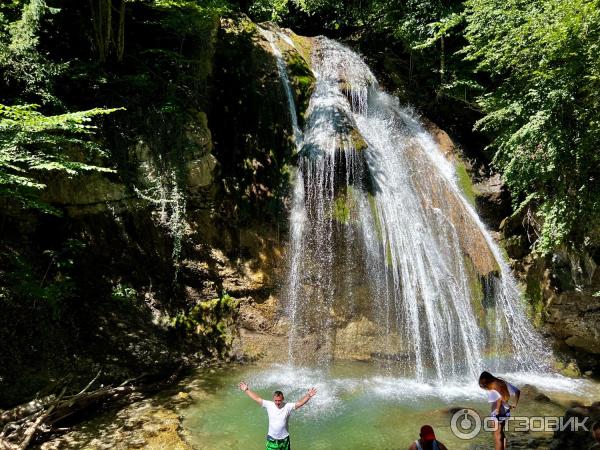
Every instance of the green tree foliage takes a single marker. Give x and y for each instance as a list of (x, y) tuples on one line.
[(323, 14), (32, 144), (432, 33), (23, 66), (544, 108), (184, 60), (536, 63)]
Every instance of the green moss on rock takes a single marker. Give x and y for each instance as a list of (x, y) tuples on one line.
[(358, 142), (464, 181), (344, 206), (535, 300), (210, 321), (239, 25), (304, 45), (568, 369), (477, 294), (302, 80), (375, 214)]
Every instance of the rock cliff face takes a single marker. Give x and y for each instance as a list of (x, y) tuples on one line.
[(562, 289), (146, 269)]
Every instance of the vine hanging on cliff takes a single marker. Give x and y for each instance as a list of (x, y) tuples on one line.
[(165, 191)]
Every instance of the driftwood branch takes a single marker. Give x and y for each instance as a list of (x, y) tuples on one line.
[(90, 383), (26, 410), (29, 432)]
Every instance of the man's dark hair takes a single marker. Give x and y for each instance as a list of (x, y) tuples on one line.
[(595, 429), (277, 394)]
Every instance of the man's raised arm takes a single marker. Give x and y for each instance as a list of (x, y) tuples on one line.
[(253, 395), (310, 394)]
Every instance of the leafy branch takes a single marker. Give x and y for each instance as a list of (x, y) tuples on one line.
[(32, 144)]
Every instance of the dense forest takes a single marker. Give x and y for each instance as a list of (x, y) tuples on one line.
[(126, 95)]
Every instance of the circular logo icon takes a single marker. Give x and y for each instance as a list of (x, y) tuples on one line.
[(465, 424)]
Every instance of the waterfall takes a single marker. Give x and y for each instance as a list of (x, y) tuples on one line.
[(388, 260), (285, 81), (297, 214)]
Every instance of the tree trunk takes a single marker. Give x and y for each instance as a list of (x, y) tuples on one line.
[(109, 42), (121, 32)]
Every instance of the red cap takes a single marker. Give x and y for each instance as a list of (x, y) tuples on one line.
[(427, 433)]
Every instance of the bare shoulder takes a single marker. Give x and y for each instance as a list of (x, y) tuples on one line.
[(413, 446)]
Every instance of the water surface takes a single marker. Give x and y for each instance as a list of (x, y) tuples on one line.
[(356, 407)]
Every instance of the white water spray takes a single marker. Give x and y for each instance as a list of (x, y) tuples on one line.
[(382, 237)]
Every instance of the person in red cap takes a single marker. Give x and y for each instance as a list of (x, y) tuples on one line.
[(427, 440)]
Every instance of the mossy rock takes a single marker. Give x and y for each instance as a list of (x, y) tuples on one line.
[(345, 206), (249, 121), (296, 51), (477, 292), (464, 181), (358, 142), (240, 24), (302, 81), (568, 369), (211, 322), (304, 45), (375, 214), (348, 138), (515, 246)]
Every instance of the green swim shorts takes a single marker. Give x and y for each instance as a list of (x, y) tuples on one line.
[(278, 444)]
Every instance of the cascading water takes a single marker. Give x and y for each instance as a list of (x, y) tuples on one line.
[(298, 215), (387, 263), (383, 241), (285, 81)]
